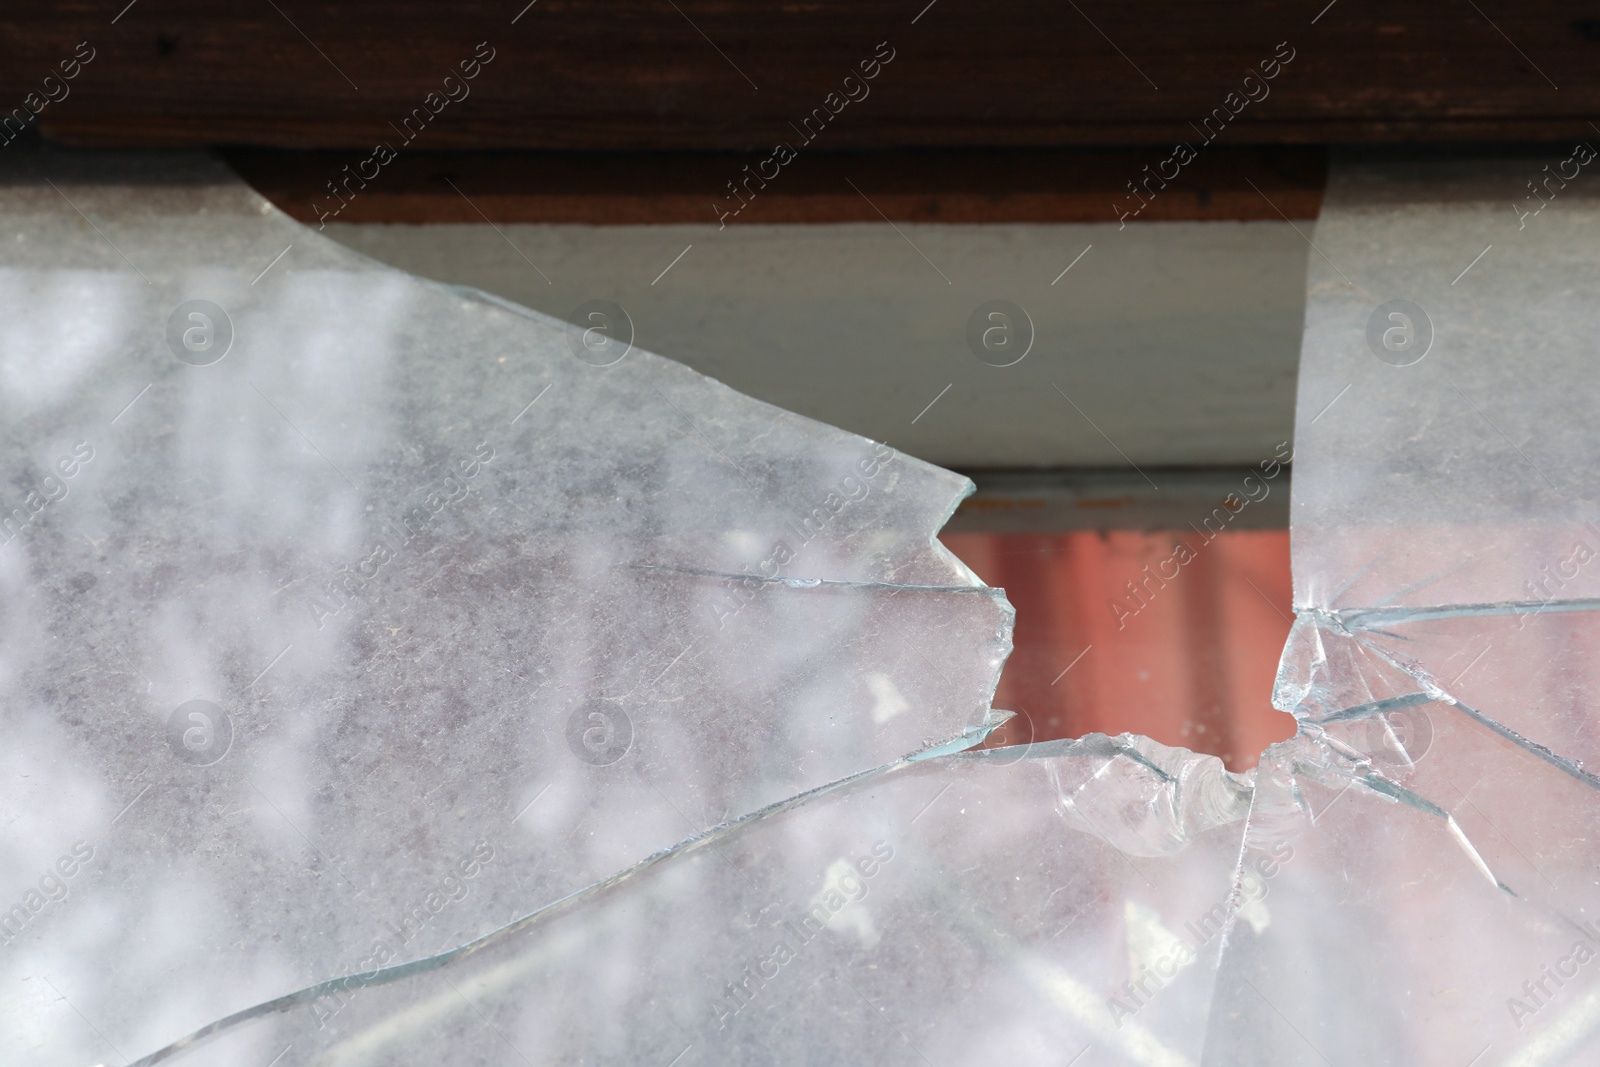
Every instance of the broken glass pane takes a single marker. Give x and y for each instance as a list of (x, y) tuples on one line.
[(1444, 907), (581, 767), (340, 604), (963, 910)]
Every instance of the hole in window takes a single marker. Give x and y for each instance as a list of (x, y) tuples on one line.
[(1160, 633)]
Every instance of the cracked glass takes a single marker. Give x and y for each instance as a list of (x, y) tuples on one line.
[(388, 679)]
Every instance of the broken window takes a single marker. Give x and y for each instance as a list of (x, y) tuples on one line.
[(388, 679)]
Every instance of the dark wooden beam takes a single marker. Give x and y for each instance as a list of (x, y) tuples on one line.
[(710, 75), (610, 189)]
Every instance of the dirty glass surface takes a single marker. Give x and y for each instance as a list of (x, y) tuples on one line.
[(499, 760), (341, 607), (1443, 659)]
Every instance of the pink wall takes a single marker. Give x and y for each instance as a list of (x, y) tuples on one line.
[(1190, 663)]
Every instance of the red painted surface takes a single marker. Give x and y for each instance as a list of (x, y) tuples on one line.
[(1187, 657)]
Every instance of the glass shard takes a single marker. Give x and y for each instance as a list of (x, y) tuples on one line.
[(960, 908), (340, 606), (1441, 531)]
